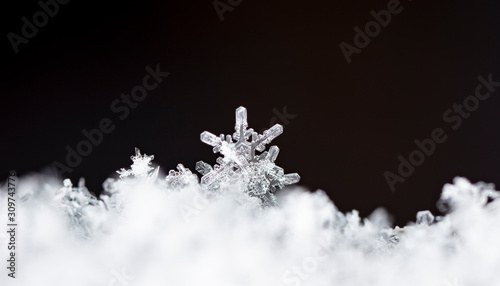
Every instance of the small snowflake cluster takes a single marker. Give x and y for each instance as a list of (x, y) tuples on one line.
[(240, 164), (258, 175)]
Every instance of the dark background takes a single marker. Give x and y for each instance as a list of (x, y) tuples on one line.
[(353, 120)]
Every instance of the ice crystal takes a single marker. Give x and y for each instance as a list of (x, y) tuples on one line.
[(462, 193), (84, 210), (258, 173), (425, 217), (141, 168), (178, 179)]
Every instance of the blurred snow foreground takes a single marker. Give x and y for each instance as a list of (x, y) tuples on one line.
[(228, 229)]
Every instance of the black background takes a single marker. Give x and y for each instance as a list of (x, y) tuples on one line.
[(353, 120)]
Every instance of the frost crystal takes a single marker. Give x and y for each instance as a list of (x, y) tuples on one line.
[(258, 173), (178, 179), (425, 217), (84, 210), (141, 168)]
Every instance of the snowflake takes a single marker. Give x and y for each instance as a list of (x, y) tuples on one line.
[(141, 168), (260, 176), (181, 178)]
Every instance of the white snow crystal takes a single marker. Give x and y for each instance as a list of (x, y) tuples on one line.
[(240, 163)]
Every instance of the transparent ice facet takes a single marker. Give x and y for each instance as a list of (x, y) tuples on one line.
[(241, 123), (425, 217), (273, 153), (292, 178), (203, 168), (212, 140)]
